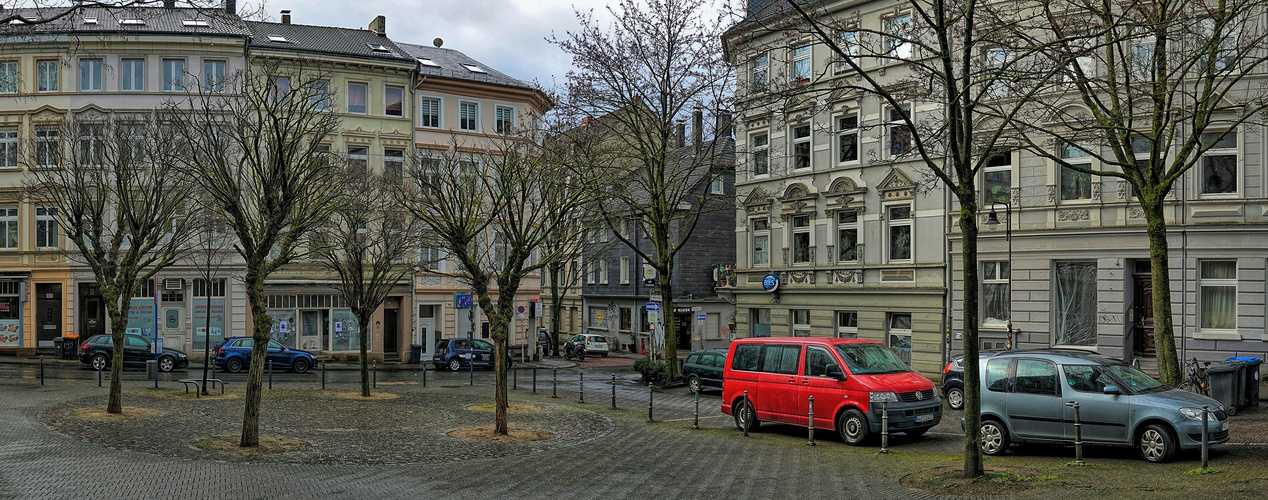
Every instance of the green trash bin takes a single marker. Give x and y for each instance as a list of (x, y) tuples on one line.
[(59, 348), (1250, 382), (415, 354), (1225, 384)]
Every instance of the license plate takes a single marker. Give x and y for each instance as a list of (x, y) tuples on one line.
[(924, 418), (1224, 426)]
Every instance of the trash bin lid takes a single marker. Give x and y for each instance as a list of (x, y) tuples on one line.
[(1246, 359), (1222, 367)]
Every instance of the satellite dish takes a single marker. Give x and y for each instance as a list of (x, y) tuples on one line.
[(438, 42)]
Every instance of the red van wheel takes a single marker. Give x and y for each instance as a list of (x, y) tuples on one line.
[(853, 427), (744, 412)]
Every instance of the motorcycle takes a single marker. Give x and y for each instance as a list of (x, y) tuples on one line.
[(574, 350)]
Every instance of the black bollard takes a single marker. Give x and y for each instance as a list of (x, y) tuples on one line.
[(515, 378), (554, 380), (323, 375), (613, 391), (374, 375), (884, 426), (424, 376), (750, 417), (1078, 433), (1205, 448), (270, 365), (99, 377), (650, 397), (42, 371), (695, 422), (534, 380), (581, 384)]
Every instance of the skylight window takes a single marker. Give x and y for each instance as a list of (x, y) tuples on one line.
[(474, 69), (427, 62), (200, 23), (379, 48), (90, 20), (278, 39), (132, 22)]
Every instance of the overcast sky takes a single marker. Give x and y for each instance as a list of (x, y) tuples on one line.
[(508, 35)]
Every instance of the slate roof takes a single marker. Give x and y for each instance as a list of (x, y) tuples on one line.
[(326, 40), (451, 61), (156, 20)]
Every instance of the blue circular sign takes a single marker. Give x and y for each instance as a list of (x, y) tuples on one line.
[(771, 282)]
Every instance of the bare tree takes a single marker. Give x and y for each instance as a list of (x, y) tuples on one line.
[(365, 244), (493, 212), (1147, 88), (635, 78), (257, 149), (211, 247), (120, 200)]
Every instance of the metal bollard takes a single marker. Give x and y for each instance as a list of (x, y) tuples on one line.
[(515, 378), (1205, 448), (424, 376), (812, 422), (581, 384), (270, 365), (746, 421), (695, 421), (42, 372), (885, 427), (554, 380), (613, 391), (534, 380), (651, 396), (99, 377), (323, 375), (374, 375), (1078, 433)]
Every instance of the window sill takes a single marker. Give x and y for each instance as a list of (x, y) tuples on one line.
[(1217, 335)]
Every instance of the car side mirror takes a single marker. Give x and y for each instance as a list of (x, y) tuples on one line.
[(1112, 389), (835, 372)]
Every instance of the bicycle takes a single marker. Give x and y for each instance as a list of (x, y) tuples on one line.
[(1196, 378)]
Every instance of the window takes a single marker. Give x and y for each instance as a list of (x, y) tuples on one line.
[(899, 232), (429, 112), (195, 23), (997, 375), (46, 227), (214, 76), (761, 242), (848, 139), (817, 361), (603, 271), (394, 162), (173, 75), (1218, 290), (430, 257), (1075, 303), (48, 76), (428, 62), (997, 178), (898, 29), (801, 239), (1219, 163), (473, 68), (1085, 378), (717, 186), (278, 39), (48, 146), (393, 101), (747, 357), (132, 73), (800, 147), (761, 155), (781, 359), (761, 73), (1083, 68), (8, 227), (359, 157), (468, 116), (202, 288), (91, 148), (8, 77), (1075, 185), (320, 97), (848, 42), (900, 136), (759, 322), (627, 319), (1141, 62), (996, 304), (1225, 49), (90, 75), (596, 317), (800, 322), (8, 148), (625, 270), (1036, 377), (847, 324), (801, 64), (504, 119), (900, 335), (358, 97), (996, 59), (847, 236), (281, 87)]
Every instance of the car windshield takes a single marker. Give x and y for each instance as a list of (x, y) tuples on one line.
[(871, 359), (1135, 379)]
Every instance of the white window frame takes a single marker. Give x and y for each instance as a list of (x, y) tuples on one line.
[(48, 146), (320, 96), (1226, 51), (394, 162), (794, 231), (848, 41), (891, 223), (801, 68), (9, 233), (173, 75), (845, 225), (1206, 286), (625, 270), (603, 271), (1227, 147), (387, 90), (474, 126), (214, 73), (847, 130), (761, 73), (9, 78), (796, 143), (46, 229), (1074, 154), (996, 273), (894, 329), (501, 125), (898, 31), (90, 78), (1140, 61), (847, 323), (130, 79), (10, 156), (799, 322), (717, 185), (995, 58), (359, 155), (761, 153), (48, 76), (894, 124), (1001, 162), (761, 229), (364, 107), (439, 111)]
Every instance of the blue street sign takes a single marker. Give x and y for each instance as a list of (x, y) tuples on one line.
[(700, 317), (462, 300), (652, 306)]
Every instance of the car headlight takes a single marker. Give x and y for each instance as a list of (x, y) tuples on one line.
[(1196, 414), (882, 397)]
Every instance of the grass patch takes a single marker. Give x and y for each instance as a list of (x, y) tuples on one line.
[(1203, 470), (129, 413), (1000, 481), (514, 435), (269, 445), (373, 395), (510, 408)]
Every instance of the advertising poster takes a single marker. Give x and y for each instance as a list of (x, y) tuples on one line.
[(141, 317), (10, 324), (217, 325)]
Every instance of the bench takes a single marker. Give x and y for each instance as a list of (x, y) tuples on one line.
[(197, 383)]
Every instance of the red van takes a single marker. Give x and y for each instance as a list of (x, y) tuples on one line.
[(847, 377)]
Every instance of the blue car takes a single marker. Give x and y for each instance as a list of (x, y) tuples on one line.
[(235, 354), (455, 354)]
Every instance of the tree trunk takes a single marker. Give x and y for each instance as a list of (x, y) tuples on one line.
[(671, 332), (118, 325), (366, 331), (556, 306), (255, 374), (498, 330), (972, 394), (207, 338), (1164, 335)]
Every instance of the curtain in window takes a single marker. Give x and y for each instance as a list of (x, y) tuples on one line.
[(1076, 303)]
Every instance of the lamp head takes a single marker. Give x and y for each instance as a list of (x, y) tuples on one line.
[(992, 218)]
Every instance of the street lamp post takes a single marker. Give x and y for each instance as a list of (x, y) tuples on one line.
[(992, 219)]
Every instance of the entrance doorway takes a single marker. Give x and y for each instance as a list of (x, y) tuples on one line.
[(1143, 311), (314, 330), (390, 333), (427, 334), (48, 312), (92, 311)]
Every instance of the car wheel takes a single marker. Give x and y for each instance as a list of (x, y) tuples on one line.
[(100, 362), (166, 364), (745, 412), (693, 383), (233, 365), (917, 432), (1156, 444), (955, 398), (853, 427), (455, 364), (300, 365), (994, 438)]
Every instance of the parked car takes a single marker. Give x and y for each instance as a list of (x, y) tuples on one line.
[(544, 342), (455, 354), (1025, 396), (99, 350), (595, 344), (847, 377), (953, 379), (234, 354), (703, 369)]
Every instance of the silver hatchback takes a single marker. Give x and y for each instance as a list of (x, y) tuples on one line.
[(1026, 397)]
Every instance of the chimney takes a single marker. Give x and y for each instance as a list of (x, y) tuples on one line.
[(170, 4), (697, 127), (231, 6), (680, 132), (286, 16), (379, 25), (723, 128)]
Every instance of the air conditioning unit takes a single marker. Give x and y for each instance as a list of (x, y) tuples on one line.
[(174, 283)]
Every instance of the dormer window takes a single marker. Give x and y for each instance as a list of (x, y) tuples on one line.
[(379, 48), (278, 39), (428, 62), (195, 23), (474, 69)]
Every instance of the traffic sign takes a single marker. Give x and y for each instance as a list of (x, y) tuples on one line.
[(652, 306), (462, 300), (700, 317), (520, 309)]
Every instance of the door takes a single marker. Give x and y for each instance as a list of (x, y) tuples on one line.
[(274, 355), (310, 330), (1104, 416), (1035, 406), (48, 313), (827, 391), (390, 333), (780, 383), (1143, 312), (136, 350), (427, 335), (482, 352)]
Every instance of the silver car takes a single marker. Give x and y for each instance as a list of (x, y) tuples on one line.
[(1026, 396)]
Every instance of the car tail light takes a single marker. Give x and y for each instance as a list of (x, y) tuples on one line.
[(220, 352), (84, 347), (948, 367)]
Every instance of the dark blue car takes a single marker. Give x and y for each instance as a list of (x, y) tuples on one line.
[(455, 354), (235, 354)]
